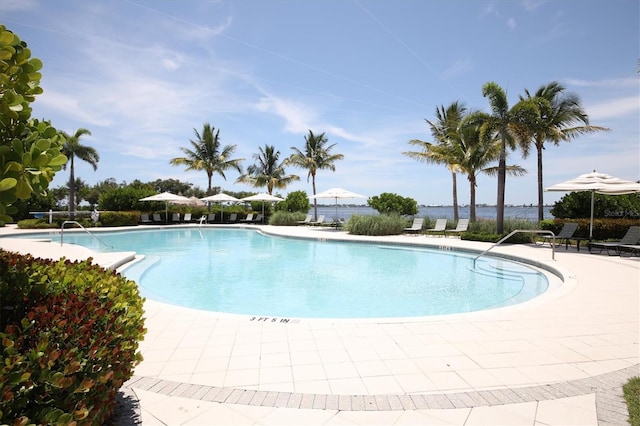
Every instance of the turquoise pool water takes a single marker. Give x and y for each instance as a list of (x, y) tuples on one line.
[(245, 272)]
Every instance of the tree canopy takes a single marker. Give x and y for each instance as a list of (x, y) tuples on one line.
[(30, 150)]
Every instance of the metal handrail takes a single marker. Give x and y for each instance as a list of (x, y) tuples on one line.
[(85, 230), (527, 231)]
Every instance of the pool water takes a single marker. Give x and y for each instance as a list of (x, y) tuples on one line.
[(245, 272)]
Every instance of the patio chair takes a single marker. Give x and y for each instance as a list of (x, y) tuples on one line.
[(306, 220), (144, 219), (211, 217), (565, 234), (258, 218), (463, 225), (157, 218), (632, 237), (632, 249), (440, 226), (187, 218), (175, 218), (320, 220), (233, 218), (416, 226), (247, 219)]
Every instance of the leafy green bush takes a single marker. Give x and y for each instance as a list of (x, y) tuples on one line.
[(632, 396), (384, 224), (69, 341), (296, 201), (387, 203), (127, 199), (578, 205), (603, 229), (119, 218), (36, 224), (286, 218)]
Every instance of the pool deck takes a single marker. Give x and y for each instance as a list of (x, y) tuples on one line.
[(558, 359)]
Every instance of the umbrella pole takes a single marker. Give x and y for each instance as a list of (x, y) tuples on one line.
[(591, 223), (166, 212)]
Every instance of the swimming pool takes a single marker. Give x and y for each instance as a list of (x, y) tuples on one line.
[(245, 272)]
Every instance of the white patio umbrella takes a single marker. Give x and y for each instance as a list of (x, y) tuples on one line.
[(220, 198), (167, 197), (336, 193), (264, 197), (596, 182)]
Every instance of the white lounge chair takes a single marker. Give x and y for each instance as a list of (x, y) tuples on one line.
[(463, 225), (416, 226), (320, 220), (440, 226)]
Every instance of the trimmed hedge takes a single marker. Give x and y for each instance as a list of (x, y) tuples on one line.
[(603, 229), (70, 333)]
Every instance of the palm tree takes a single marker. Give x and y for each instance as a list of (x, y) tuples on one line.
[(474, 151), (504, 123), (73, 148), (315, 156), (267, 171), (206, 154), (560, 118), (445, 132)]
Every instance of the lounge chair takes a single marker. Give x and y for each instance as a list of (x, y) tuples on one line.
[(175, 218), (144, 219), (631, 238), (632, 249), (258, 218), (187, 218), (440, 226), (415, 227), (157, 218), (463, 225), (306, 220), (211, 217), (320, 220), (565, 234), (247, 219), (233, 218)]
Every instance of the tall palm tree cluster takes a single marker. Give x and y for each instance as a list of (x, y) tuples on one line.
[(207, 153), (470, 142)]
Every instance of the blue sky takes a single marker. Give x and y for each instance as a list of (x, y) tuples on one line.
[(141, 75)]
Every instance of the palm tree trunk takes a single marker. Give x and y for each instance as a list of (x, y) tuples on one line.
[(472, 200), (315, 200), (455, 196), (210, 177), (72, 190), (502, 174), (540, 193)]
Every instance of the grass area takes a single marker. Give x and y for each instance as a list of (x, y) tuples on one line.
[(632, 396)]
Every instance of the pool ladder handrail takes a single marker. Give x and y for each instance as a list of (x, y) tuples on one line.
[(529, 231), (85, 230)]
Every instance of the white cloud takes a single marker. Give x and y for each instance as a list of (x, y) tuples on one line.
[(511, 23), (614, 108), (612, 82)]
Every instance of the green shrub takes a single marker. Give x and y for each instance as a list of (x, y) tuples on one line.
[(286, 218), (632, 396), (119, 218), (36, 224), (69, 341), (388, 203), (384, 224), (603, 229), (296, 201)]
